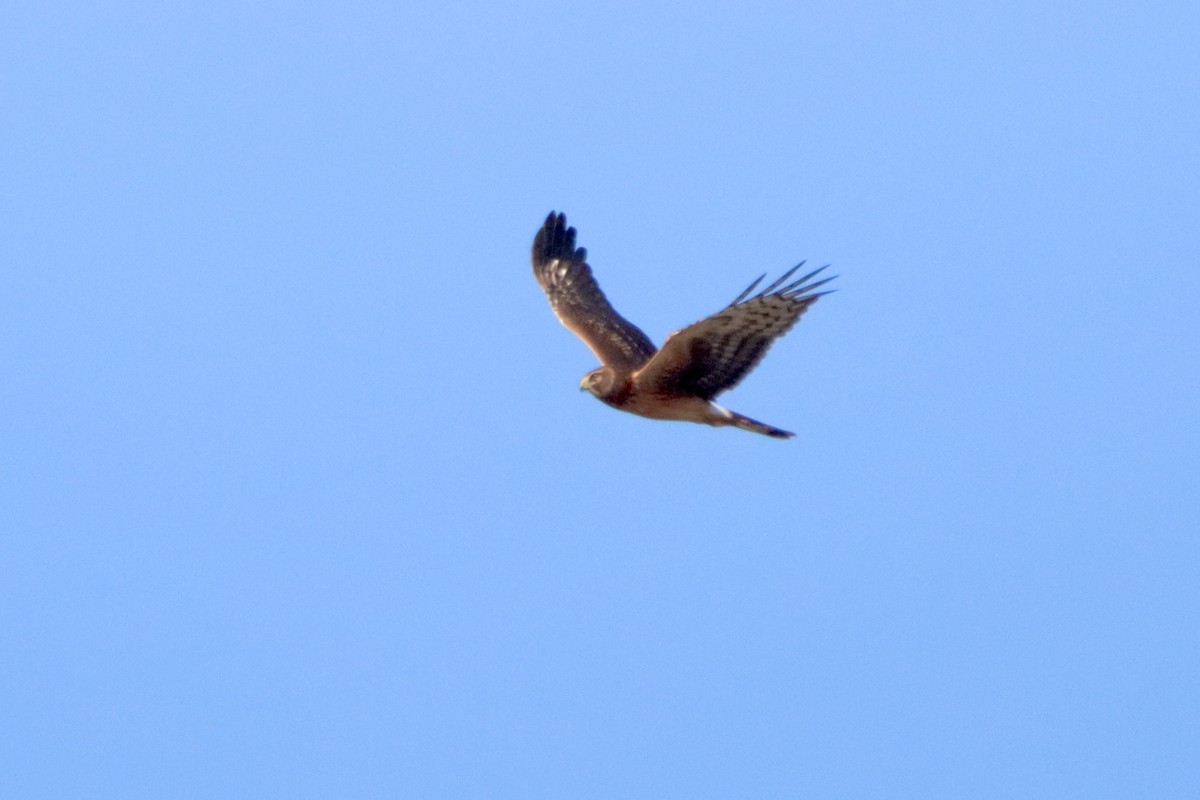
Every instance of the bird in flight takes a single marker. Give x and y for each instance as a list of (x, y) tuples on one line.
[(694, 365)]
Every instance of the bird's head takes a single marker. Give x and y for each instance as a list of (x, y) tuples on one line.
[(599, 382)]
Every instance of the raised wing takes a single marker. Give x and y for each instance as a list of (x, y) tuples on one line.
[(713, 355), (564, 274)]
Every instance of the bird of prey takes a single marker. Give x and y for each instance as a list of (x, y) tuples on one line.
[(694, 365)]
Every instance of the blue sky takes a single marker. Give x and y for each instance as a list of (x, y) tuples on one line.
[(299, 497)]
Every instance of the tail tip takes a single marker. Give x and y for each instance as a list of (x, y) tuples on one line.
[(754, 426)]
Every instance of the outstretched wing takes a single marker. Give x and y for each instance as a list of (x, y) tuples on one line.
[(713, 355), (564, 274)]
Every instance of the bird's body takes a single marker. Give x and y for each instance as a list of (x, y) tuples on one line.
[(694, 365), (628, 394)]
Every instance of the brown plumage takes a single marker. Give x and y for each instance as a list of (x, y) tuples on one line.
[(694, 365)]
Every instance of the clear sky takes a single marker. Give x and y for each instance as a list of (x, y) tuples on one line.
[(299, 497)]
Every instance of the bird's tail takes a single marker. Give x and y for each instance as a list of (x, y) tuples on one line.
[(745, 423)]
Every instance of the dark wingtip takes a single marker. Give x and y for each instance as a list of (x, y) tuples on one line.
[(746, 292), (791, 290), (804, 290), (781, 280), (555, 240)]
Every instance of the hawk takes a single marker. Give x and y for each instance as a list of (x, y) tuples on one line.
[(694, 365)]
